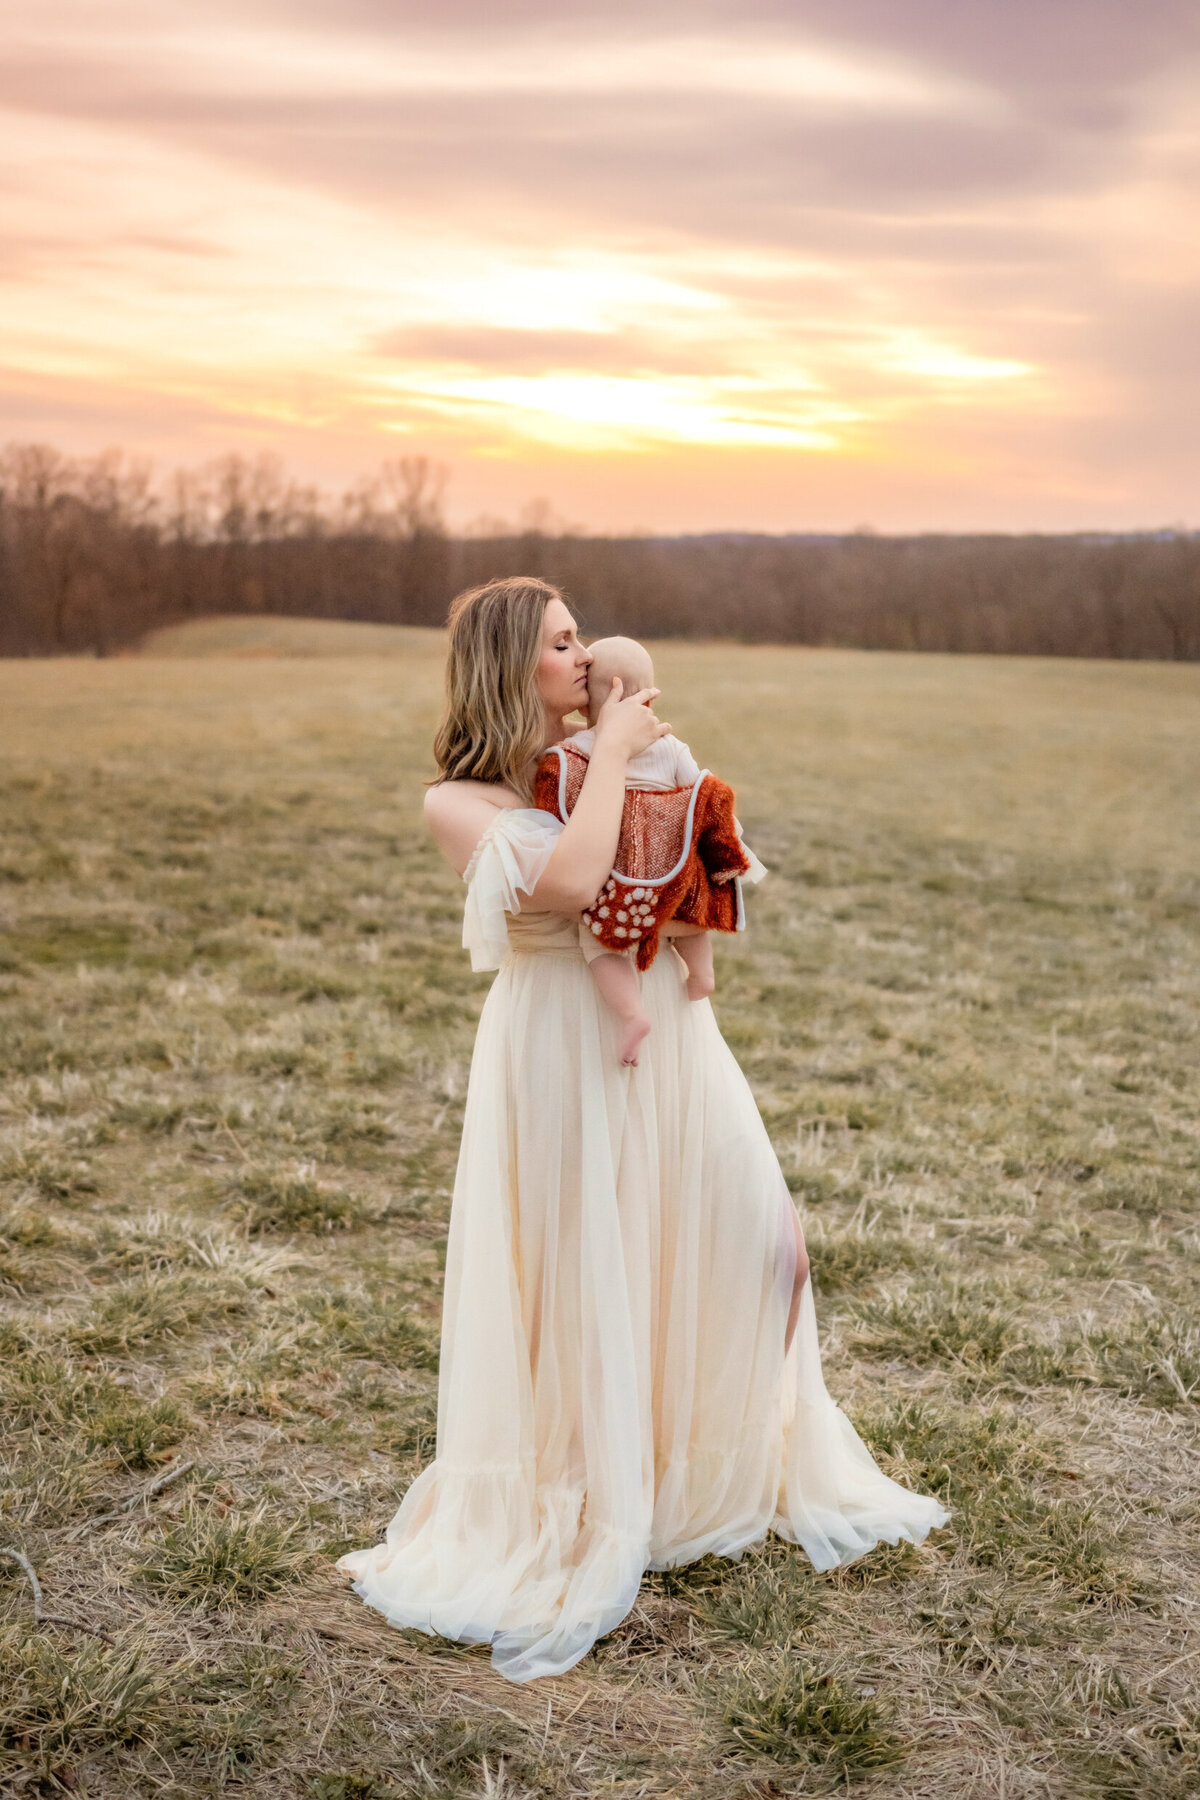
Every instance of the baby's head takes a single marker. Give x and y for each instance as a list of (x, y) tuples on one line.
[(616, 656)]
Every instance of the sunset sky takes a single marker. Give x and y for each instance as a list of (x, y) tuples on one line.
[(923, 264)]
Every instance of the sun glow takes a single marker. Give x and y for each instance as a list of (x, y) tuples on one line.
[(608, 412), (918, 355)]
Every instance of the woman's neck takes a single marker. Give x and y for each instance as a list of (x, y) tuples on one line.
[(556, 729)]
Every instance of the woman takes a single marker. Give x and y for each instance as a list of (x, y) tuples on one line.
[(630, 1373)]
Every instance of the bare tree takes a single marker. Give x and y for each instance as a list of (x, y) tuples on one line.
[(93, 552)]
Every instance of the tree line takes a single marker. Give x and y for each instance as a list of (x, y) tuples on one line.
[(93, 554)]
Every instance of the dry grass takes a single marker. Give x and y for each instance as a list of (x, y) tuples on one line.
[(237, 1022), (263, 636)]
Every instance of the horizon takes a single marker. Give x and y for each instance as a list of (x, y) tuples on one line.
[(789, 270)]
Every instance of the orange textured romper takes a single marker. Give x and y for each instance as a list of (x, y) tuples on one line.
[(678, 856)]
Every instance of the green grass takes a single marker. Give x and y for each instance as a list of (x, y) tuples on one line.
[(134, 1313), (237, 1022), (56, 1397), (773, 1603), (212, 1558), (271, 1201), (60, 1705), (791, 1713), (967, 1323)]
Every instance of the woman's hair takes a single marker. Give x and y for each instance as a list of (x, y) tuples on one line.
[(494, 725)]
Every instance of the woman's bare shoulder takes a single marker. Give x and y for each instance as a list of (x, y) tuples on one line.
[(454, 796), (459, 812)]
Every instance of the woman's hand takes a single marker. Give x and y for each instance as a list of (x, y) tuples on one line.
[(625, 723)]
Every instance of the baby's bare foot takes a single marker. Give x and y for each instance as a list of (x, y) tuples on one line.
[(701, 984), (632, 1033)]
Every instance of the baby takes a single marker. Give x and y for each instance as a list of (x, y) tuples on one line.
[(700, 890)]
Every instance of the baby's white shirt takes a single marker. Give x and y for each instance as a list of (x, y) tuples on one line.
[(668, 763)]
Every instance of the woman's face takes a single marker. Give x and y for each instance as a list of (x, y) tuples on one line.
[(563, 665)]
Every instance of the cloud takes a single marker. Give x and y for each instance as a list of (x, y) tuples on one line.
[(519, 352)]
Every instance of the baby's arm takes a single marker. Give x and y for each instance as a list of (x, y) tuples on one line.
[(687, 769), (696, 951)]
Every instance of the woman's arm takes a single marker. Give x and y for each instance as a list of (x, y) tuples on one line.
[(582, 859), (459, 812)]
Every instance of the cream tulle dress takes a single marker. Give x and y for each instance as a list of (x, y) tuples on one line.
[(614, 1394)]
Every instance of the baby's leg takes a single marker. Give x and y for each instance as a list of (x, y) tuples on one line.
[(696, 951), (616, 978)]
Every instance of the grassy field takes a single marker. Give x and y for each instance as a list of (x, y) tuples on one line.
[(237, 1023)]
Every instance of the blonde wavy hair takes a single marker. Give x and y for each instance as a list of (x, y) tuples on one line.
[(494, 724)]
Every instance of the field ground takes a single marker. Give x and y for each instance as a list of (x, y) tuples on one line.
[(237, 1027), (257, 635)]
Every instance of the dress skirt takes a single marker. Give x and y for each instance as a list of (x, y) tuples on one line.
[(614, 1395)]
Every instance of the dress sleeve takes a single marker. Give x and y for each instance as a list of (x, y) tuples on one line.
[(506, 863)]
